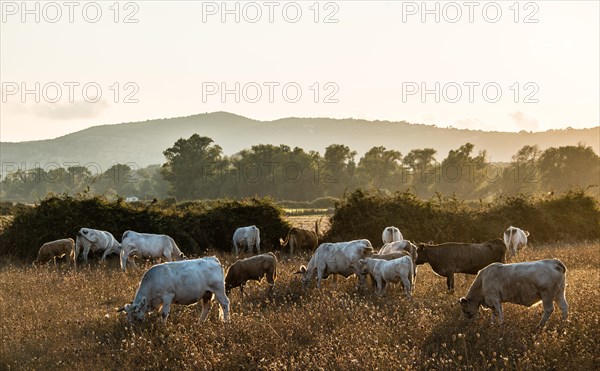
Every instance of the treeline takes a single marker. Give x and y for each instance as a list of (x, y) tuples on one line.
[(571, 216), (196, 227), (196, 168)]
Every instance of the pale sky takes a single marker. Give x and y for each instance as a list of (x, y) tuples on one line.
[(365, 59)]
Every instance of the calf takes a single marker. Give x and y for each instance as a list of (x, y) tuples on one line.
[(253, 268), (182, 282), (56, 250), (524, 283), (515, 239), (384, 271)]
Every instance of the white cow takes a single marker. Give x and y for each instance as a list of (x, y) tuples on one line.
[(515, 239), (183, 282), (95, 240), (519, 283), (395, 270), (336, 258), (148, 246), (249, 236), (391, 234)]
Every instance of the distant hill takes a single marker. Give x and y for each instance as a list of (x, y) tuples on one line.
[(142, 143)]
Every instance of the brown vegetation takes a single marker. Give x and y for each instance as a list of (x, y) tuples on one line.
[(67, 319)]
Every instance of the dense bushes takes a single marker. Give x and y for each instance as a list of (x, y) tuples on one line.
[(194, 228), (572, 216)]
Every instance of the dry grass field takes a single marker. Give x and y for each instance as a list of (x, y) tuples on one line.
[(67, 319)]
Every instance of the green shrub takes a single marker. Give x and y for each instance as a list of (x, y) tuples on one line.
[(573, 216), (195, 229)]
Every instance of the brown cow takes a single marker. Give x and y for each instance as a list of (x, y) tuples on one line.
[(56, 250), (454, 257), (300, 239), (253, 268)]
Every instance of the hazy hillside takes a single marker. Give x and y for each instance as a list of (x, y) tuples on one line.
[(142, 143)]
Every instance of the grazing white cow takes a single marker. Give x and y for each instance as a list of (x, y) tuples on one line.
[(183, 282), (391, 234), (515, 239), (95, 240), (520, 283), (384, 271), (148, 246), (248, 236), (336, 258)]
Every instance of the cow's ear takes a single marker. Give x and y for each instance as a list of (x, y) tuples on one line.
[(281, 241), (361, 261), (463, 301)]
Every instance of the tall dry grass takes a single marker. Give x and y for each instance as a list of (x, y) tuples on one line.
[(67, 319)]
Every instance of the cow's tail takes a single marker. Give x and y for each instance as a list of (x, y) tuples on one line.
[(560, 266), (77, 248), (510, 241), (317, 227)]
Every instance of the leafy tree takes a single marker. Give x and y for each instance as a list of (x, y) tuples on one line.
[(521, 176), (564, 167), (462, 173), (337, 170), (380, 168), (421, 165), (193, 168)]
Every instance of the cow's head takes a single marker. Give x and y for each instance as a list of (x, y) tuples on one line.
[(135, 312), (363, 266), (305, 276), (469, 307)]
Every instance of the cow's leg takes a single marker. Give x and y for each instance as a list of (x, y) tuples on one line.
[(271, 282), (320, 271), (373, 281), (124, 258), (206, 305), (380, 286), (224, 302), (166, 307), (548, 304), (450, 282), (242, 291), (497, 308), (106, 252), (86, 251), (562, 303), (257, 247), (407, 286)]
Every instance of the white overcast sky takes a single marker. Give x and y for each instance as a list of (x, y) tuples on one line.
[(363, 63)]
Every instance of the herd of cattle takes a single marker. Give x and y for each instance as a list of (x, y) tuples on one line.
[(183, 281)]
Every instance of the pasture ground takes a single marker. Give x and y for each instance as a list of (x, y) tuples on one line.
[(67, 319)]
